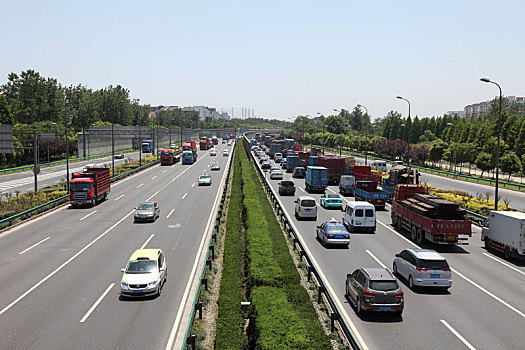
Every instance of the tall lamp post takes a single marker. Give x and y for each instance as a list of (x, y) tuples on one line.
[(486, 80), (456, 147), (408, 137), (340, 137), (67, 143), (366, 136), (140, 147)]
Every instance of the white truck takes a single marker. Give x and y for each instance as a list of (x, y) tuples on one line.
[(505, 232)]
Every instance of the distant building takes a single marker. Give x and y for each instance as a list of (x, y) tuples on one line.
[(461, 114), (207, 112), (477, 110)]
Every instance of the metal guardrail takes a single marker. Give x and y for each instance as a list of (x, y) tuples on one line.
[(335, 314), (190, 339)]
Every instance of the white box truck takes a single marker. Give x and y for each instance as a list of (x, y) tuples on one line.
[(504, 231)]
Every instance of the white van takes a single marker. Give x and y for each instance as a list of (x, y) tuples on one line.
[(398, 162), (379, 165), (360, 216), (305, 207)]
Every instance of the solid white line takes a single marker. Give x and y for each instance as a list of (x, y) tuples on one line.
[(122, 195), (185, 194), (193, 184), (164, 171), (504, 263), (64, 264), (301, 189), (461, 275), (154, 177), (171, 212), (376, 259), (147, 241), (93, 212), (140, 185), (178, 318), (460, 337), (34, 245), (96, 303)]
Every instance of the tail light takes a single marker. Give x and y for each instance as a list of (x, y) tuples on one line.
[(330, 236), (369, 294), (400, 294), (347, 236)]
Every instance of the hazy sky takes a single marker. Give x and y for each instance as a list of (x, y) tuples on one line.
[(281, 58)]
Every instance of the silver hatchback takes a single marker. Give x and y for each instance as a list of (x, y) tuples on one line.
[(423, 267)]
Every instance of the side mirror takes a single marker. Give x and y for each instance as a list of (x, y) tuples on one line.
[(295, 201), (397, 255), (348, 275), (123, 270), (162, 269)]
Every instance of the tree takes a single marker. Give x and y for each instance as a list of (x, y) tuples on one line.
[(484, 162), (335, 124), (428, 136), (437, 149), (510, 163), (6, 117)]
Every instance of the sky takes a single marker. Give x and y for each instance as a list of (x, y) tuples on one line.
[(280, 58)]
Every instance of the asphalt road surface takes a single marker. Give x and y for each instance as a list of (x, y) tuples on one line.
[(60, 274), (484, 308)]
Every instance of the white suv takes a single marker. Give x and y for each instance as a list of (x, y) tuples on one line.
[(305, 207), (423, 267)]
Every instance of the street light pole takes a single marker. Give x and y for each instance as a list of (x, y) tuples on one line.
[(140, 147), (366, 136), (496, 199), (456, 146), (340, 137), (67, 144), (408, 137)]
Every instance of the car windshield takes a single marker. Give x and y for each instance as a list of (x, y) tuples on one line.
[(145, 206), (433, 264), (308, 203), (332, 195), (336, 229), (142, 266), (166, 154), (287, 183), (369, 213), (205, 177), (80, 186), (383, 286)]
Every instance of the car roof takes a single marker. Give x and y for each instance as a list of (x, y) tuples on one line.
[(147, 202), (427, 254), (302, 198), (378, 273), (333, 223), (146, 254), (354, 204)]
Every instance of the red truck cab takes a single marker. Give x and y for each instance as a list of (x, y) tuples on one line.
[(89, 187), (167, 157)]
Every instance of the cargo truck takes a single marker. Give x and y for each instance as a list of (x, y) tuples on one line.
[(367, 191), (336, 167), (316, 179), (428, 217), (215, 140), (204, 143), (167, 157), (89, 187), (276, 147), (147, 146), (504, 231), (188, 157), (400, 174), (190, 146), (292, 161), (347, 185)]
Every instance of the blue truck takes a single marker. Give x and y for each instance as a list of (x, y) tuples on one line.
[(188, 157), (367, 191), (387, 188), (312, 160), (147, 146), (316, 179), (292, 161), (347, 185)]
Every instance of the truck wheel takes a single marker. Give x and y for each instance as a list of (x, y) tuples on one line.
[(487, 244), (420, 236), (508, 253), (394, 220), (414, 233)]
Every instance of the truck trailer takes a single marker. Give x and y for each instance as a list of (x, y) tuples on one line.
[(367, 191), (89, 187), (316, 179)]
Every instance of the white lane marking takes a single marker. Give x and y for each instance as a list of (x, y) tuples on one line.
[(140, 185), (164, 171), (88, 215), (96, 303), (333, 219), (462, 276), (193, 184), (301, 189), (171, 212), (504, 263), (178, 318), (34, 245), (44, 185), (147, 241), (376, 259), (185, 194), (460, 337), (154, 177), (64, 264), (122, 195)]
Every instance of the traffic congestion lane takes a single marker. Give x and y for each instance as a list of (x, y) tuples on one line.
[(454, 303), (89, 260)]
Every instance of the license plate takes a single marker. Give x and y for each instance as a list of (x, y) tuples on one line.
[(385, 308), (138, 291), (435, 276), (308, 210), (379, 200)]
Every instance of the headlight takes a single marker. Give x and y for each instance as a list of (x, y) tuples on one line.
[(153, 284), (124, 285), (150, 214)]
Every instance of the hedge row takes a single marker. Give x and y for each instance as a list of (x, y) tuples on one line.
[(284, 317), (229, 320)]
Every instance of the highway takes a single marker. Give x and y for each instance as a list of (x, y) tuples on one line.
[(60, 274), (23, 181), (484, 308)]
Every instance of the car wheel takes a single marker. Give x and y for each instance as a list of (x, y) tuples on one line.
[(324, 242), (358, 306), (411, 282), (159, 290), (394, 269), (346, 290)]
